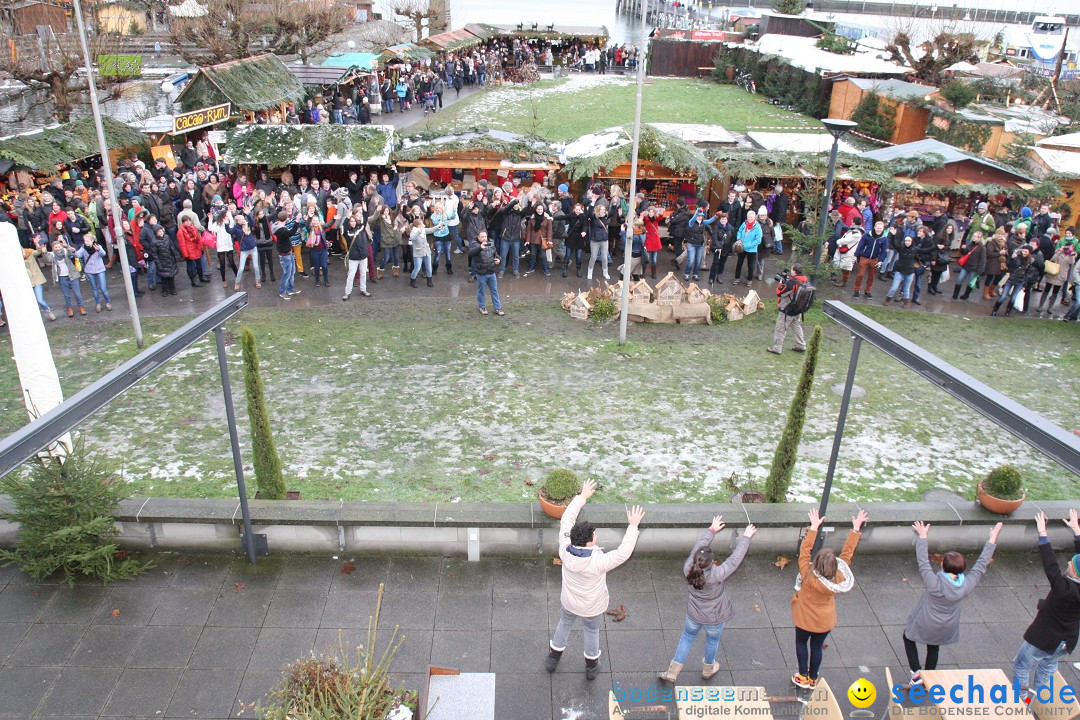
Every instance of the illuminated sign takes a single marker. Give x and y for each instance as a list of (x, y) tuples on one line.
[(201, 118)]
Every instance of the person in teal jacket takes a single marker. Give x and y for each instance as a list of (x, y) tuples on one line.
[(750, 236)]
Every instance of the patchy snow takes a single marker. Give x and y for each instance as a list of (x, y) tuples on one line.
[(492, 103)]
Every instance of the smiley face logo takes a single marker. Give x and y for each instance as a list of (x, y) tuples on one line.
[(862, 693)]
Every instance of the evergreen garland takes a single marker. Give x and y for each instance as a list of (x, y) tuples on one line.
[(68, 142), (65, 516), (251, 84), (267, 462), (522, 148), (656, 146), (776, 485), (279, 145)]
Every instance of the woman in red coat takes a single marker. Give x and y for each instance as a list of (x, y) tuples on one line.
[(651, 219), (189, 240)]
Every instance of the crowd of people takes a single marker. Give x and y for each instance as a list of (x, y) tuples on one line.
[(176, 220), (823, 575)]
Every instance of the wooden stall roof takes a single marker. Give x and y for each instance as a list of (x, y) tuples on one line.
[(42, 149), (479, 148), (451, 40), (252, 84), (325, 74)]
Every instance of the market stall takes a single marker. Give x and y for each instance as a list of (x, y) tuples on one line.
[(452, 41), (465, 158), (35, 158), (255, 86), (669, 168), (333, 149)]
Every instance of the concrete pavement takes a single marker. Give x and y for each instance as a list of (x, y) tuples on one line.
[(205, 636)]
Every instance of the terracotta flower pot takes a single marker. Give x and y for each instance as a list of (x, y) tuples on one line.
[(550, 509), (997, 505)]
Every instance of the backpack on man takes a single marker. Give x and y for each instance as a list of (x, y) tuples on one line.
[(802, 298)]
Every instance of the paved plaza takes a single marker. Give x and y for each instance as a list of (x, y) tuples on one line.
[(205, 635)]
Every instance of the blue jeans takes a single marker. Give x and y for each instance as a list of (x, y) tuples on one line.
[(421, 262), (288, 273), (319, 262), (152, 277), (690, 633), (442, 247), (890, 261), (335, 117), (693, 259), (905, 294), (964, 278), (70, 288), (918, 281), (1045, 664), (97, 285), (1009, 293), (513, 250), (534, 252), (455, 236), (1074, 309), (391, 255), (652, 257), (38, 293), (574, 255), (488, 281), (388, 106)]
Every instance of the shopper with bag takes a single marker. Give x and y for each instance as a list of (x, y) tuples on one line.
[(1055, 274), (972, 265), (1012, 294)]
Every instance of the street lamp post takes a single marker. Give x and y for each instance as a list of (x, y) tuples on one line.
[(106, 170), (838, 129)]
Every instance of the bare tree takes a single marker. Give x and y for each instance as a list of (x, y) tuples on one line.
[(305, 28), (432, 15), (938, 54), (52, 71), (226, 32)]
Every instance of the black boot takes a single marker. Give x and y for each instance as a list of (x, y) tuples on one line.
[(194, 282), (993, 313), (564, 269), (552, 660), (579, 271), (412, 282), (592, 668), (956, 292), (429, 283), (967, 293)]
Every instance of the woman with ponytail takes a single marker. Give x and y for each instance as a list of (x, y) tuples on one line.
[(708, 606)]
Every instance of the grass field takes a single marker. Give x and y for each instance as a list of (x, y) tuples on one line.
[(567, 108), (428, 401)]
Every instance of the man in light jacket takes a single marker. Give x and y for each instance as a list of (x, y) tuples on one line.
[(584, 579)]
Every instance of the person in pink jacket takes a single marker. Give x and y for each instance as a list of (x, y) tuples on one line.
[(584, 579), (242, 189)]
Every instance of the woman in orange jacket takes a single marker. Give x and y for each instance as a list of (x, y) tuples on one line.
[(813, 606)]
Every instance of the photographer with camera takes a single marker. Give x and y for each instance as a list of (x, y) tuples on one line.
[(794, 294)]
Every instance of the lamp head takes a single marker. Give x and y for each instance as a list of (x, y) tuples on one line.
[(837, 127)]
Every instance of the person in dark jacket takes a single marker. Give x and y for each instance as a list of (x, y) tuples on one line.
[(925, 250), (577, 237), (356, 236), (511, 215), (904, 269), (939, 263), (484, 262), (1052, 634), (723, 239), (164, 253), (708, 606), (869, 255), (974, 266), (355, 187), (677, 226), (696, 232), (1019, 267), (473, 223)]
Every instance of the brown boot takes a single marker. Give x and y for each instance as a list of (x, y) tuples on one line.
[(986, 292), (395, 271), (82, 310), (378, 274), (995, 291), (70, 312)]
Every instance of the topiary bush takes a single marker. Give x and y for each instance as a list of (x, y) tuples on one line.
[(776, 485), (1003, 482), (561, 485), (268, 474)]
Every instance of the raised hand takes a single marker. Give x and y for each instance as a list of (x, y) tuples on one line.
[(921, 528), (634, 515), (858, 521), (750, 531), (588, 488), (996, 530), (717, 524), (1073, 522), (1040, 523), (815, 519)]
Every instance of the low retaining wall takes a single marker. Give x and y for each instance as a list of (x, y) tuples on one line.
[(523, 529)]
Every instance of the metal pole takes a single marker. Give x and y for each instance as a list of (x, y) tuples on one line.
[(106, 168), (839, 435), (624, 300), (238, 462), (823, 214)]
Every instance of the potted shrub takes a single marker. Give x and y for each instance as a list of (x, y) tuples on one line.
[(1000, 491), (557, 491)]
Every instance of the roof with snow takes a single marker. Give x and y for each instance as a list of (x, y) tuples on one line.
[(893, 88), (698, 134), (1070, 141), (802, 52), (1061, 162), (798, 142), (930, 146), (188, 9)]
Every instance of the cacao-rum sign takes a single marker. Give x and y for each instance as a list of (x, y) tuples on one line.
[(201, 118)]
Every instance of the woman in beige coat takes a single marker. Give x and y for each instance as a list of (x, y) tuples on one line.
[(37, 278)]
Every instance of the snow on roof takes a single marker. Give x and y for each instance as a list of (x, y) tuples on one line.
[(706, 134), (1072, 140), (893, 88), (596, 143), (802, 52), (1017, 118), (930, 146), (1064, 162), (155, 124), (798, 142), (188, 9)]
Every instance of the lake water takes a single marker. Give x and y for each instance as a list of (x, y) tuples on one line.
[(140, 100)]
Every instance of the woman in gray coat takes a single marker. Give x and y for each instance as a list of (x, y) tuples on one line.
[(935, 621), (708, 606)]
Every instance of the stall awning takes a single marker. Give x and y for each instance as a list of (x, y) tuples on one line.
[(59, 144), (597, 153), (282, 145), (252, 84), (406, 51), (364, 61), (485, 150), (451, 40), (324, 74)]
